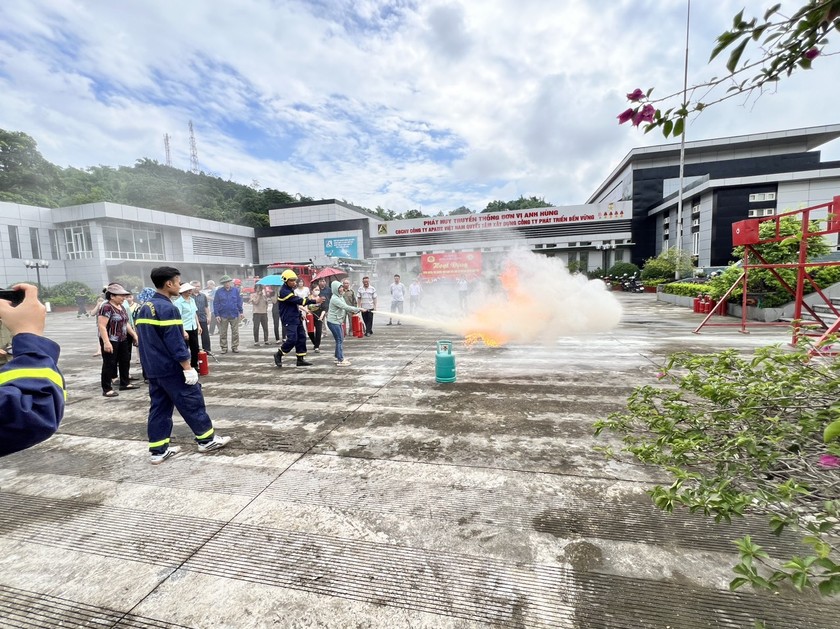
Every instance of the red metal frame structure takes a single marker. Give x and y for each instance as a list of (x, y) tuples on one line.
[(746, 234)]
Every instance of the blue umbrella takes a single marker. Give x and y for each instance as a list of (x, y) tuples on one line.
[(271, 280)]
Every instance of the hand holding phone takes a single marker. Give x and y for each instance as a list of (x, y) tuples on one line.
[(14, 296)]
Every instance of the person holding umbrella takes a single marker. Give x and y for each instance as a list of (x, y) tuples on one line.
[(289, 303)]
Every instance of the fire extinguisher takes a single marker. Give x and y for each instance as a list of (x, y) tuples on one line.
[(358, 332), (203, 364), (310, 322), (697, 304)]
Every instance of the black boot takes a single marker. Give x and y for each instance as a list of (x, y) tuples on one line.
[(301, 362), (278, 358)]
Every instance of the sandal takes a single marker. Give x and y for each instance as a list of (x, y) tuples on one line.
[(129, 386), (110, 393)]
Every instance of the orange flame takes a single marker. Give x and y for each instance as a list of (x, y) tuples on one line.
[(484, 323)]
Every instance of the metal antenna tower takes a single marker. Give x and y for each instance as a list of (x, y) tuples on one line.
[(193, 151), (166, 148)]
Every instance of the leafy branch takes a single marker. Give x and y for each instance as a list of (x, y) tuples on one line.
[(786, 45)]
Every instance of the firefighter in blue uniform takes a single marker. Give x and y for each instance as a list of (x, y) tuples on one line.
[(32, 389), (173, 383), (288, 304)]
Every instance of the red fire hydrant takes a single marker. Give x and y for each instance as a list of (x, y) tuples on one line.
[(203, 363)]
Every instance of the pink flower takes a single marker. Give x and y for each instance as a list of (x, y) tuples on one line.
[(624, 116), (812, 54), (644, 115), (636, 95), (661, 375), (829, 460)]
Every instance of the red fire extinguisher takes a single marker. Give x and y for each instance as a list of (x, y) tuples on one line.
[(310, 322), (358, 331), (697, 304), (203, 364)]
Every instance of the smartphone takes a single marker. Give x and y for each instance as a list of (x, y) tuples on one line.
[(14, 296)]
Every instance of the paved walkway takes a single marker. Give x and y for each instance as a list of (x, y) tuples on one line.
[(373, 497)]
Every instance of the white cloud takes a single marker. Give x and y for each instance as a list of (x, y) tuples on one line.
[(400, 104)]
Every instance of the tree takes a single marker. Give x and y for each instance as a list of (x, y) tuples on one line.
[(785, 45), (518, 204), (460, 210), (747, 434), (785, 251), (664, 266)]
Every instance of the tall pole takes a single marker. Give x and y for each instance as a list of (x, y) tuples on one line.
[(682, 146)]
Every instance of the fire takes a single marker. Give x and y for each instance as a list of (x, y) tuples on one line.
[(485, 323), (489, 340)]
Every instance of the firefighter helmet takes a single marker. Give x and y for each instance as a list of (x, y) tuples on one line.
[(288, 274)]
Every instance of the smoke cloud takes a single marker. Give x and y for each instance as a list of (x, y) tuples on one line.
[(530, 297)]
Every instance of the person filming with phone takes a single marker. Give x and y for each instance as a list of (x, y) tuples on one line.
[(32, 389)]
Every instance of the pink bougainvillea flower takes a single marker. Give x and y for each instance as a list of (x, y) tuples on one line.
[(636, 95), (624, 116), (829, 460), (812, 53), (645, 114)]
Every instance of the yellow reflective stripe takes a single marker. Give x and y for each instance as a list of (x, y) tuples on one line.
[(205, 435), (158, 444), (286, 297), (39, 373), (163, 322)]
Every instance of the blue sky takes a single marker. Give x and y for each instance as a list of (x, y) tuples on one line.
[(403, 104)]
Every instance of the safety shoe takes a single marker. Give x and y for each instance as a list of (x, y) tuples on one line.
[(301, 362), (157, 459), (215, 444), (278, 358)]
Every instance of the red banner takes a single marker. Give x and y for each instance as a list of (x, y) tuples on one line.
[(465, 264)]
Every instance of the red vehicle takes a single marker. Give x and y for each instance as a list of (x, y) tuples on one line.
[(304, 271)]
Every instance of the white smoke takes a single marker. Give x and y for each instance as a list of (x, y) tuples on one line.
[(546, 301)]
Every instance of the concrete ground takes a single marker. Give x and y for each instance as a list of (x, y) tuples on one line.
[(373, 497)]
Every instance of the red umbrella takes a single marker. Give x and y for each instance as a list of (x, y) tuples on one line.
[(328, 272)]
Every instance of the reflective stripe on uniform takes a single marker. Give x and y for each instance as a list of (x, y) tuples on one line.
[(158, 444), (40, 373), (286, 297), (205, 435), (156, 322)]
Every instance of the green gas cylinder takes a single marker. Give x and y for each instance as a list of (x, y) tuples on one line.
[(444, 362)]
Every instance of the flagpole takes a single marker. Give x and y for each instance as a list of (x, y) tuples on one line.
[(682, 147)]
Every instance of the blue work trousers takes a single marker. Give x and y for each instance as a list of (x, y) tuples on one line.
[(173, 392), (295, 337)]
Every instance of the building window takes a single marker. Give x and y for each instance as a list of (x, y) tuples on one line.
[(204, 246), (34, 242), (130, 243), (695, 244), (619, 255), (584, 261), (55, 247), (78, 242), (14, 243)]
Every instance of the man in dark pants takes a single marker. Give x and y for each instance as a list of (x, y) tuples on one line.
[(173, 383), (203, 311), (288, 303)]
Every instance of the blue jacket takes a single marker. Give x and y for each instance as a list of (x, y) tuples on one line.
[(228, 303), (32, 393), (161, 333), (288, 304)]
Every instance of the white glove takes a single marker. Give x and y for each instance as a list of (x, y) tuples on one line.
[(190, 376)]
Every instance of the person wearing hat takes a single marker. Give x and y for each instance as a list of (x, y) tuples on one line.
[(227, 310), (173, 383), (289, 303), (116, 337), (189, 315)]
